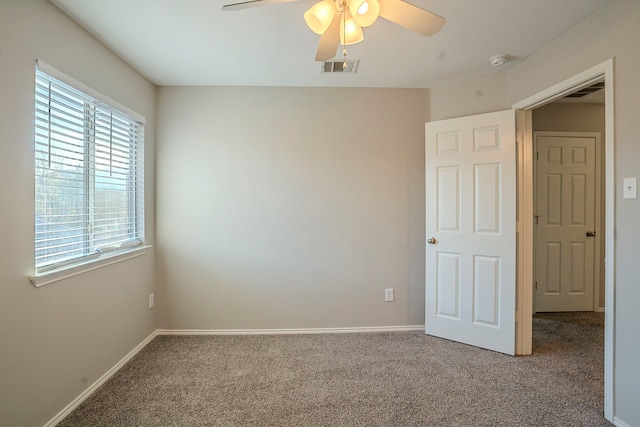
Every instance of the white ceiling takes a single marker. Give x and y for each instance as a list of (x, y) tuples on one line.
[(193, 42)]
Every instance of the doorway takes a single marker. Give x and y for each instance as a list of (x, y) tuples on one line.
[(525, 226)]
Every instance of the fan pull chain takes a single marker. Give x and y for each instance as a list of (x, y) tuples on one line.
[(344, 35)]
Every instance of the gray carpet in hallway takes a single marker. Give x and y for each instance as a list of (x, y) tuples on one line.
[(365, 379)]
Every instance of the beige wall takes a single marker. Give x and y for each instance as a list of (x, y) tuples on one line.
[(57, 340), (290, 207), (474, 96), (569, 117)]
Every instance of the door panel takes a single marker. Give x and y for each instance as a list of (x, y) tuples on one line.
[(578, 268), (470, 192), (448, 279), (486, 290), (448, 198), (487, 198), (553, 269)]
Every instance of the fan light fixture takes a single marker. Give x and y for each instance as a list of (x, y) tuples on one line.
[(341, 21), (350, 31), (320, 15), (367, 11)]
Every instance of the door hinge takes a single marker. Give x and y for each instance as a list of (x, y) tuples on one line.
[(537, 155), (536, 285)]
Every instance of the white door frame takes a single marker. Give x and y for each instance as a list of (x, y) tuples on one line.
[(525, 141)]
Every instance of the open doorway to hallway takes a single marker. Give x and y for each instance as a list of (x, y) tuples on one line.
[(569, 194)]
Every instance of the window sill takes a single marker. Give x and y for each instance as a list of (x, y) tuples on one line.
[(65, 272)]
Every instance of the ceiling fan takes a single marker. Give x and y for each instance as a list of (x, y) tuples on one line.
[(341, 21)]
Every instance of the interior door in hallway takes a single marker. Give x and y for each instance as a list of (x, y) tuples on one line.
[(566, 221), (471, 230)]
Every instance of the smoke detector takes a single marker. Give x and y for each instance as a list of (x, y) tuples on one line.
[(498, 60)]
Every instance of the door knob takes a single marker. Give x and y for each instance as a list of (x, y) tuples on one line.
[(591, 234), (431, 241)]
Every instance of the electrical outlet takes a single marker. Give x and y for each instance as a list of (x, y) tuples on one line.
[(151, 300), (388, 294)]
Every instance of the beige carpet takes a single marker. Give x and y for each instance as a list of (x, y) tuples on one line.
[(368, 379)]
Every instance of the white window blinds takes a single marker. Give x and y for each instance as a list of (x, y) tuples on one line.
[(89, 192)]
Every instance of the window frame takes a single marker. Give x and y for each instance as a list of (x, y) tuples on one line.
[(133, 182)]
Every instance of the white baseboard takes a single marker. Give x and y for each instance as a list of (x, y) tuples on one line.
[(407, 328), (85, 394), (619, 423)]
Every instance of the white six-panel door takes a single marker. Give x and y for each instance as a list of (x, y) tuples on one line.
[(471, 230), (565, 229)]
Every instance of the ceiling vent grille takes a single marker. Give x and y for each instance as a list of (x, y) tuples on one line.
[(586, 91), (338, 66)]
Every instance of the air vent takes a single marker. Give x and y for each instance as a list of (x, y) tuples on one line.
[(586, 91), (338, 66)]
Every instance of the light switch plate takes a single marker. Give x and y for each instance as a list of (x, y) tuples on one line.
[(630, 188), (388, 295)]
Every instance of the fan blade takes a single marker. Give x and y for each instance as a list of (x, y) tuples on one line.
[(329, 41), (411, 17), (252, 3)]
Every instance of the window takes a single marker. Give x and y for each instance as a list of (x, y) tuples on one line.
[(89, 176)]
